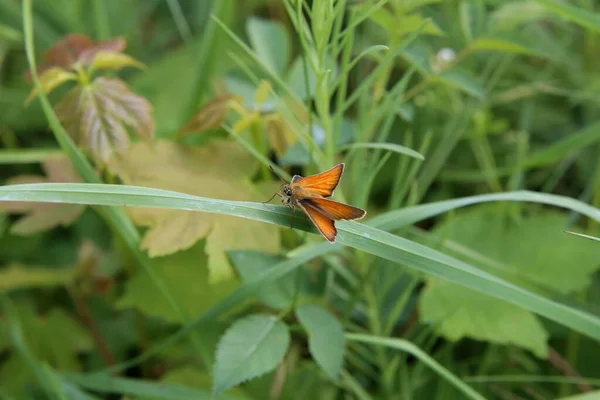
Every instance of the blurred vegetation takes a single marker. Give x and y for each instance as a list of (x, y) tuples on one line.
[(469, 133)]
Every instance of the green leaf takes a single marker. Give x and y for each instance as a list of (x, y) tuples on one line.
[(540, 251), (296, 80), (396, 148), (252, 347), (250, 264), (50, 80), (112, 61), (462, 79), (97, 116), (16, 276), (455, 312), (270, 42), (572, 13), (325, 338), (55, 338), (176, 272)]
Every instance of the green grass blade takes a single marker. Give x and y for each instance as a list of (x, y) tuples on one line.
[(395, 148), (359, 236), (180, 21), (583, 236), (27, 156), (406, 216), (410, 348), (572, 13), (134, 387)]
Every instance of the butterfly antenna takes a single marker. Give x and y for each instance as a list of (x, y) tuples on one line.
[(275, 172)]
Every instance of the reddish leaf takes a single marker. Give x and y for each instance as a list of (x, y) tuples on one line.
[(43, 216), (79, 48), (76, 48), (97, 116)]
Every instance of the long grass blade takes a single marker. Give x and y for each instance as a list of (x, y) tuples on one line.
[(359, 236)]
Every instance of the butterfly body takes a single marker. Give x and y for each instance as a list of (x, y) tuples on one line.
[(311, 193)]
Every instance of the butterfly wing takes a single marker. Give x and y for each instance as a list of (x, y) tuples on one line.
[(319, 185), (323, 223), (333, 209)]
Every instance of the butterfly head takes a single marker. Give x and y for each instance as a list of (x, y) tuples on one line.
[(287, 196)]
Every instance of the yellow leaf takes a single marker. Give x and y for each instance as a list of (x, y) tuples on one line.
[(113, 61), (50, 80), (244, 122), (221, 169), (262, 92)]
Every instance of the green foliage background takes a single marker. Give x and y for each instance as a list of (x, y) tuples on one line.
[(137, 260)]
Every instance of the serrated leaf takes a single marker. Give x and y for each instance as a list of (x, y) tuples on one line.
[(17, 276), (252, 347), (210, 116), (50, 80), (456, 312), (176, 271), (97, 115), (250, 264), (326, 340), (113, 61), (44, 216), (220, 169), (270, 42)]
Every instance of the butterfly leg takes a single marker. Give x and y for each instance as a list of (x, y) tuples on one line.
[(272, 197)]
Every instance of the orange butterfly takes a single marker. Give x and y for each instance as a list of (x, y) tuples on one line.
[(309, 194)]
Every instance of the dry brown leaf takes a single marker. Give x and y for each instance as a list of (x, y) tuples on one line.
[(210, 116)]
